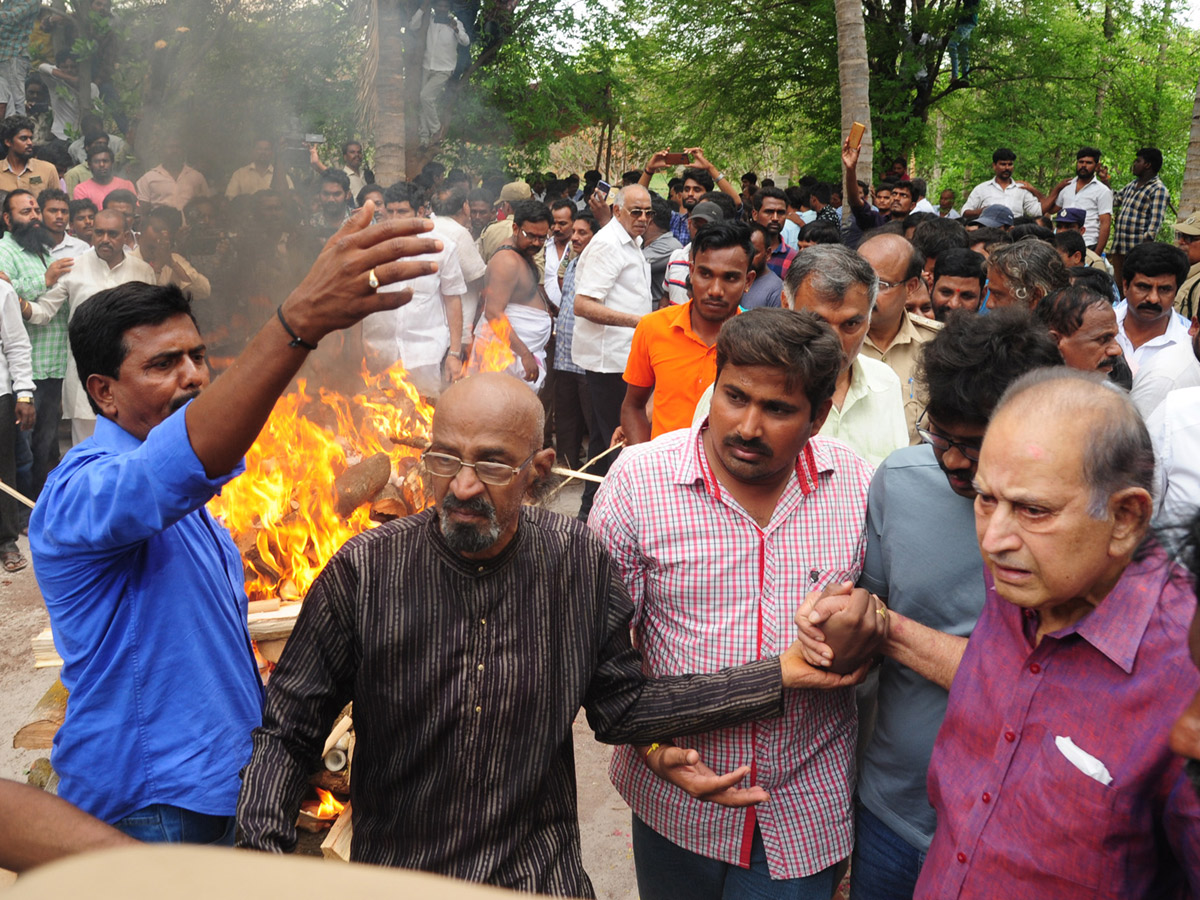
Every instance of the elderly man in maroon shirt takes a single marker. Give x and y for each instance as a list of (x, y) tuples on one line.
[(1052, 775)]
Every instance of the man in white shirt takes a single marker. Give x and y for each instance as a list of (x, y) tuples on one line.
[(103, 266), (418, 334), (442, 40), (452, 222), (1016, 195), (840, 286), (1087, 192), (612, 293), (16, 412), (562, 220), (1147, 322), (868, 406)]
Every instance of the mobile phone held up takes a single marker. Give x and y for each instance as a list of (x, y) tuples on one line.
[(677, 159), (856, 134), (602, 189)]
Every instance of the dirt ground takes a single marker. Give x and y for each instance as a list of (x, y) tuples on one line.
[(603, 816)]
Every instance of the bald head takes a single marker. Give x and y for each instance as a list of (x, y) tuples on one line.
[(494, 401)]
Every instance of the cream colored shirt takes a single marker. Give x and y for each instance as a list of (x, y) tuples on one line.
[(902, 356)]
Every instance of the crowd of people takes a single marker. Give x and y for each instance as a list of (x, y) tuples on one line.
[(804, 416)]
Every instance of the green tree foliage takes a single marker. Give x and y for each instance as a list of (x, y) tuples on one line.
[(760, 81)]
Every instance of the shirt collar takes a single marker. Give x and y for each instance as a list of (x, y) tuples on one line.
[(8, 168), (906, 335), (681, 317), (111, 436), (1116, 627), (693, 464)]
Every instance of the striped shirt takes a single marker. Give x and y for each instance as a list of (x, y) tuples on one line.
[(17, 19), (466, 676), (712, 589), (1140, 212)]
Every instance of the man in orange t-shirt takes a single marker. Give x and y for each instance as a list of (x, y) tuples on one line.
[(674, 353)]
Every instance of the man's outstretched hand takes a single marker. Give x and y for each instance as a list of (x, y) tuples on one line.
[(682, 767), (336, 293)]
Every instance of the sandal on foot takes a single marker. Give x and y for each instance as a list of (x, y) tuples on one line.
[(12, 560)]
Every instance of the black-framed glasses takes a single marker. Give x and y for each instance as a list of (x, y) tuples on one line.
[(969, 449), (444, 465), (536, 238)]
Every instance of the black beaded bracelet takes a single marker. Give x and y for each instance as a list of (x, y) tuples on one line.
[(296, 340)]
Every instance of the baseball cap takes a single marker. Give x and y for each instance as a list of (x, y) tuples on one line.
[(1190, 225), (995, 216), (708, 211), (1071, 216), (515, 191)]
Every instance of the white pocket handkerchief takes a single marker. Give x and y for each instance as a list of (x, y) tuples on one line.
[(1083, 761)]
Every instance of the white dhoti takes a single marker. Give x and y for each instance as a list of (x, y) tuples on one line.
[(532, 326)]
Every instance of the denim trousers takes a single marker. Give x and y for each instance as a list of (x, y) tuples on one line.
[(666, 871), (884, 865), (163, 824)]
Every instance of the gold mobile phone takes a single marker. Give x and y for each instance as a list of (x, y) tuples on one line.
[(856, 134)]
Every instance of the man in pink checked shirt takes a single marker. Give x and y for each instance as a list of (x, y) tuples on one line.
[(1052, 775), (718, 531)]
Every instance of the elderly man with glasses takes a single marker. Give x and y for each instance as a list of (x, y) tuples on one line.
[(923, 559), (468, 637), (612, 293)]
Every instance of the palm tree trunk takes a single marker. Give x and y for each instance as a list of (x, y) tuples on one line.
[(390, 157), (854, 80), (1189, 196)]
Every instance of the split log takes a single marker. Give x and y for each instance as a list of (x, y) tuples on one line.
[(390, 504), (45, 654), (337, 843), (361, 482), (415, 441), (39, 729), (260, 606), (272, 650)]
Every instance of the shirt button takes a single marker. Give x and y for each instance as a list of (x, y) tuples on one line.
[(1030, 614), (962, 857), (987, 798), (479, 709), (480, 667), (1010, 736), (480, 569), (1034, 668), (483, 621)]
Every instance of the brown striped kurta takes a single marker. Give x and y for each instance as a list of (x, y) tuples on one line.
[(466, 676)]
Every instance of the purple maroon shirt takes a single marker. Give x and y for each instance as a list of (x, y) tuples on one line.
[(1015, 817)]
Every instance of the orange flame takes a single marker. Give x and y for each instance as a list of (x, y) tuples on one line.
[(330, 808), (282, 511), (495, 354)]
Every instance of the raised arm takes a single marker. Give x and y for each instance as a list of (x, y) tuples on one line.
[(226, 418), (719, 179)]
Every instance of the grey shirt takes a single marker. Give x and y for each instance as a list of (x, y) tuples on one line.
[(658, 254), (923, 557), (765, 291)]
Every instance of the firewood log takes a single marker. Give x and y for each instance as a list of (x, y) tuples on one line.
[(361, 482)]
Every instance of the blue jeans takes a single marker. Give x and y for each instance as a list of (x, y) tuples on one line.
[(665, 871), (884, 865), (163, 824)]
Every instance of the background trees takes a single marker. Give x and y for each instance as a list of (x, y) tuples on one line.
[(755, 81)]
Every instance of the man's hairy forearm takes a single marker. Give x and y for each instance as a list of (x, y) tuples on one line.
[(595, 311), (932, 654)]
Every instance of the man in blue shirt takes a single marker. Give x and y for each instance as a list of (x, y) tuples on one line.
[(144, 588), (923, 559)]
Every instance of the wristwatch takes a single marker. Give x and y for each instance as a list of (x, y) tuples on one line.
[(24, 398)]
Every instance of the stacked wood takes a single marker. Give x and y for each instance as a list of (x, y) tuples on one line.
[(39, 729)]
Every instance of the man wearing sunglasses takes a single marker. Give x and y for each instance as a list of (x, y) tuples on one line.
[(612, 293), (923, 559), (512, 291), (468, 637)]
